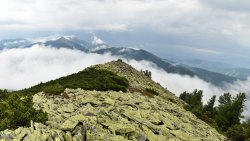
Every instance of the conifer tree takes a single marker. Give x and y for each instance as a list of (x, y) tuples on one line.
[(230, 110)]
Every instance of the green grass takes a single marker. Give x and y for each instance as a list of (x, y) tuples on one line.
[(16, 108)]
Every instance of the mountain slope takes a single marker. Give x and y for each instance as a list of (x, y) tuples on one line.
[(139, 55), (223, 68), (13, 43), (78, 114), (241, 73), (88, 79), (68, 43), (169, 66), (65, 42)]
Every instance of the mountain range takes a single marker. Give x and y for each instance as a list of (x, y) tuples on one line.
[(182, 67)]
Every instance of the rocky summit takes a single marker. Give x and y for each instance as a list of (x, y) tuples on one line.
[(85, 115)]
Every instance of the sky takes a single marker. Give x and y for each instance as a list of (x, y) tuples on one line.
[(216, 30)]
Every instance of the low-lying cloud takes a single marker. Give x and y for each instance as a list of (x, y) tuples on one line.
[(22, 68)]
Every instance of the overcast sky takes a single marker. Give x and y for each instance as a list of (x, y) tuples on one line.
[(213, 29)]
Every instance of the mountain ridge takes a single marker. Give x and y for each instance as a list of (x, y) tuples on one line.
[(78, 114)]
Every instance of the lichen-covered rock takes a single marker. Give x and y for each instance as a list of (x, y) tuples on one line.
[(69, 125), (67, 108), (136, 117)]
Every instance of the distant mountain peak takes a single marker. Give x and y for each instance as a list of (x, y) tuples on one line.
[(70, 42), (62, 39), (71, 37), (66, 39), (97, 41)]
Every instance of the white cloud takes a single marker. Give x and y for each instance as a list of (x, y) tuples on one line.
[(97, 41), (206, 51), (65, 14), (117, 14), (22, 68), (110, 27), (44, 39)]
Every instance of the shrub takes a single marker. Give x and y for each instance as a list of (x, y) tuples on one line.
[(147, 73), (194, 101), (16, 110), (119, 60), (3, 94), (152, 91), (89, 79), (54, 89), (236, 133)]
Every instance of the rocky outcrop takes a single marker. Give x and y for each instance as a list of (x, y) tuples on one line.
[(78, 114), (138, 80)]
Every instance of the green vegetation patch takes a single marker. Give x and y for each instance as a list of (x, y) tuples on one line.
[(89, 79), (152, 91), (16, 108)]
